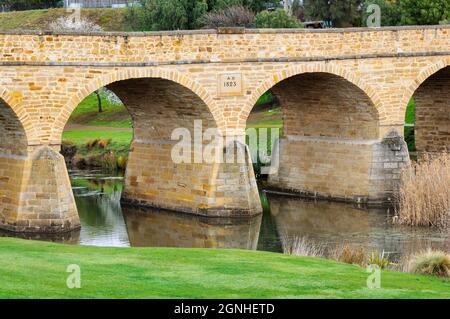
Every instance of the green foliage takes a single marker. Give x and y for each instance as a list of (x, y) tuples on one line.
[(266, 98), (409, 131), (424, 12), (390, 12), (378, 259), (276, 19), (254, 5), (154, 15), (30, 4), (342, 13)]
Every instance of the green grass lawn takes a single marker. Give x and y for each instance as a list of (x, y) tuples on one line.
[(409, 131), (113, 115), (33, 269), (81, 137)]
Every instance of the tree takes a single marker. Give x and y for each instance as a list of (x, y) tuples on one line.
[(30, 4), (342, 13), (276, 19), (390, 12), (254, 5), (424, 12), (154, 15), (234, 16)]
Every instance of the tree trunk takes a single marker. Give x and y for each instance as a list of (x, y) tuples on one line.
[(99, 99)]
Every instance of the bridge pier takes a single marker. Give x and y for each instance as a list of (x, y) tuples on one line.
[(208, 189), (341, 169), (36, 193)]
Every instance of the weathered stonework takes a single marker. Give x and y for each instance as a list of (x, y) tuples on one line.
[(432, 127), (167, 79)]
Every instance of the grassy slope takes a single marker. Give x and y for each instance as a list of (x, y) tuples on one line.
[(38, 269), (113, 116), (108, 19)]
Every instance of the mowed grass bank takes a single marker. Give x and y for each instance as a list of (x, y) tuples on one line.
[(31, 269)]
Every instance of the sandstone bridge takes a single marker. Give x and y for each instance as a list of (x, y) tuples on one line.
[(343, 94)]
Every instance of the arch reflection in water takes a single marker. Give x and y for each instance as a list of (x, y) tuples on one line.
[(158, 228), (332, 224)]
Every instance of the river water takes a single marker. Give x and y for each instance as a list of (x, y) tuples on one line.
[(105, 222)]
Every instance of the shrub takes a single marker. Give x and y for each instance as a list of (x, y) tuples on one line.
[(378, 259), (154, 15), (350, 255), (301, 246), (276, 19), (109, 161), (103, 142), (423, 198), (68, 149), (79, 161), (235, 16), (122, 162), (92, 143), (430, 262)]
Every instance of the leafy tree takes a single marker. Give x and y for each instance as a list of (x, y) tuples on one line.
[(342, 13), (153, 15), (424, 12), (278, 18), (30, 4), (297, 9), (390, 12), (254, 5), (234, 16)]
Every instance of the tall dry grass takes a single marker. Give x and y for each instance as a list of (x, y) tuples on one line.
[(423, 198), (301, 246)]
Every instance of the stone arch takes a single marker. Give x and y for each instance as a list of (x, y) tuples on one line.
[(310, 68), (128, 74), (423, 75), (13, 136), (13, 158), (431, 92), (12, 102)]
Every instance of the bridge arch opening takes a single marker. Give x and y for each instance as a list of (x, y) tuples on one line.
[(161, 112), (427, 128), (330, 145)]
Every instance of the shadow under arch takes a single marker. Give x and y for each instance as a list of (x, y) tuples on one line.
[(430, 93), (423, 75), (13, 158), (311, 68)]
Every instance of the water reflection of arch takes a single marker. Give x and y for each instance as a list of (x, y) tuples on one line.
[(159, 228), (329, 224)]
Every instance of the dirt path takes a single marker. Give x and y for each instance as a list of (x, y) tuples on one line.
[(80, 127)]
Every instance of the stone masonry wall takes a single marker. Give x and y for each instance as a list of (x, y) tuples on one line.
[(432, 128)]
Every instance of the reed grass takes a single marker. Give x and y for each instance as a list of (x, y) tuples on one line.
[(423, 197), (301, 246)]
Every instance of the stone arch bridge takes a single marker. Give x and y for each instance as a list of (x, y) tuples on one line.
[(343, 94)]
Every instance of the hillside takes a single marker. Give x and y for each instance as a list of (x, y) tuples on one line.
[(108, 19)]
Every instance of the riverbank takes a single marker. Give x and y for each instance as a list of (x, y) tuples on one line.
[(31, 269)]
